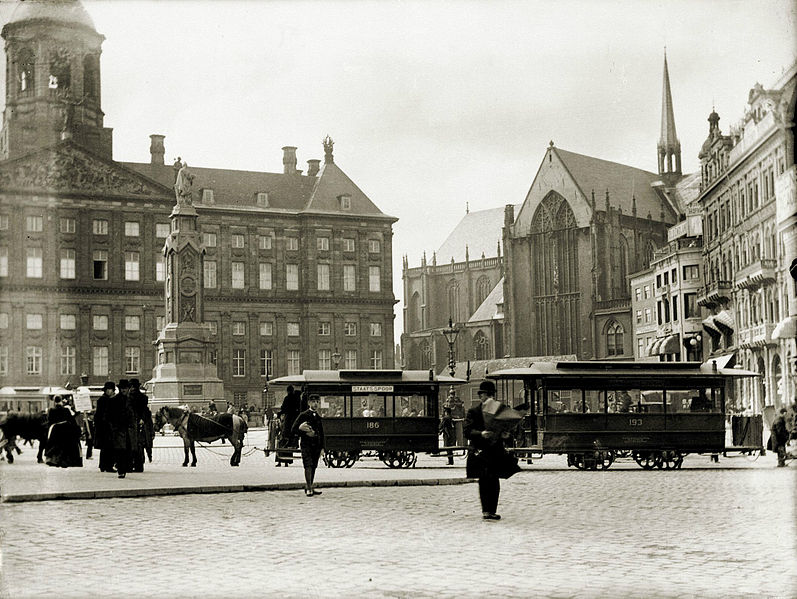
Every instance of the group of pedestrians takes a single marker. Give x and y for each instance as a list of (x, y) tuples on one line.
[(123, 428)]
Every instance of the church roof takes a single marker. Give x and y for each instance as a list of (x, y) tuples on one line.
[(687, 190), (488, 310), (623, 182), (288, 192), (479, 230), (69, 12)]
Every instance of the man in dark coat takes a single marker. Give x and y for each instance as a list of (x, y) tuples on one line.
[(145, 429), (446, 428), (288, 412), (780, 436), (123, 428), (102, 431), (485, 451), (310, 430)]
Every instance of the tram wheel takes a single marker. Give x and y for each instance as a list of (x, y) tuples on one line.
[(671, 459), (648, 460), (577, 460), (407, 458), (604, 459), (351, 458), (336, 459), (623, 453)]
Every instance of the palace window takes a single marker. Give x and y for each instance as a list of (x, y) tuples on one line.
[(34, 224), (324, 328), (162, 230), (350, 359), (350, 329), (131, 266), (33, 263), (292, 243), (237, 240), (376, 329), (294, 362), (374, 276), (132, 323), (99, 359), (265, 275), (322, 244), (264, 242), (348, 244), (376, 359), (67, 225), (4, 360), (209, 269), (67, 264), (209, 239), (292, 277), (131, 229), (324, 359), (68, 322), (67, 360), (100, 322), (33, 322), (323, 277), (293, 329), (3, 261), (132, 360), (238, 275), (160, 267), (100, 265), (374, 246), (349, 278), (239, 362), (99, 226), (262, 199), (33, 360), (266, 329), (266, 362), (239, 328)]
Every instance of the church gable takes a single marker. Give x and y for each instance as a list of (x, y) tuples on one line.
[(552, 176), (66, 168)]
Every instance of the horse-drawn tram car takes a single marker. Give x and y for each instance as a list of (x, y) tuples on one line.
[(595, 412), (392, 414)]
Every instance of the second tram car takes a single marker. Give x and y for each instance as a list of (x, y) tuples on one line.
[(390, 413), (597, 411)]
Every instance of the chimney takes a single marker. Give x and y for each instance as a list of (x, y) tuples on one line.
[(289, 160), (156, 149), (312, 167)]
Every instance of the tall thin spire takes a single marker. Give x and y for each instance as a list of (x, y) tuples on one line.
[(669, 148)]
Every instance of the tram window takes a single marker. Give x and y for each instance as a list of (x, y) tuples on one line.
[(332, 406), (369, 406), (411, 406)]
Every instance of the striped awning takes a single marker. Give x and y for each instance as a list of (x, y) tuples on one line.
[(653, 348), (670, 345), (709, 325), (724, 319), (786, 329), (725, 361)]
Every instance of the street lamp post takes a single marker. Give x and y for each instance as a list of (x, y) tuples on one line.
[(335, 359), (451, 337)]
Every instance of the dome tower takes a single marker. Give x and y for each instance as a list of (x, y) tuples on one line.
[(53, 79)]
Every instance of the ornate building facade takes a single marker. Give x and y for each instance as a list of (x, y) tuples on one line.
[(748, 203), (297, 270)]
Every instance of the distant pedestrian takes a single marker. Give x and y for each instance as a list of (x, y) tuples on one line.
[(310, 429), (446, 428), (288, 412), (145, 429), (123, 428), (780, 436), (486, 450), (102, 431), (63, 439), (212, 410)]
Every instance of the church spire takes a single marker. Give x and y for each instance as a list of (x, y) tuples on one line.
[(669, 148)]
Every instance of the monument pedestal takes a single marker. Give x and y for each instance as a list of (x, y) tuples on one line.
[(184, 374)]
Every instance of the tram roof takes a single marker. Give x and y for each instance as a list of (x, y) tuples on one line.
[(366, 376), (616, 369)]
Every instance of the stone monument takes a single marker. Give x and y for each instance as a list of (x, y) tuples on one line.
[(184, 373)]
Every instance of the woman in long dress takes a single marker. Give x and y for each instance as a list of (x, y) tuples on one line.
[(63, 437)]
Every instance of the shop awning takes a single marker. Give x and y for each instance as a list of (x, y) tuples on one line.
[(709, 325), (653, 348), (724, 319), (670, 345), (786, 329)]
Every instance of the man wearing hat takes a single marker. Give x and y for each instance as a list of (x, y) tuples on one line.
[(101, 428), (122, 426), (486, 448), (145, 429)]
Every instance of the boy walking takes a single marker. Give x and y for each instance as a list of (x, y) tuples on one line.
[(310, 429)]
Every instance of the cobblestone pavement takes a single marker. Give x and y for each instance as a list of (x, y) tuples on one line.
[(708, 530)]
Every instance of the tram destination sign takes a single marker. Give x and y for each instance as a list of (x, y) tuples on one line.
[(372, 388)]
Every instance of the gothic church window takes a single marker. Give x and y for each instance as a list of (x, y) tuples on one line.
[(91, 76), (426, 355), (614, 339), (453, 301), (482, 290), (481, 347), (60, 71)]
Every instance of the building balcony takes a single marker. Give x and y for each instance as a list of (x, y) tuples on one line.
[(612, 305), (756, 336), (757, 273), (715, 292)]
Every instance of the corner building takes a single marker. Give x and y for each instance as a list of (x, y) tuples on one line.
[(298, 266)]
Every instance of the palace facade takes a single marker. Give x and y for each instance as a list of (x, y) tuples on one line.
[(298, 265)]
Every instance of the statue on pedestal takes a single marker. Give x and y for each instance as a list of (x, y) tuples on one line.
[(183, 183)]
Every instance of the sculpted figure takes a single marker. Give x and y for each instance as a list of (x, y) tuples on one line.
[(184, 183)]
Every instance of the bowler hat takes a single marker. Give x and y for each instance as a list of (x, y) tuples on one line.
[(124, 384), (487, 387), (109, 385)]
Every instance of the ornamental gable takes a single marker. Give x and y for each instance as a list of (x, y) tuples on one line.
[(69, 169)]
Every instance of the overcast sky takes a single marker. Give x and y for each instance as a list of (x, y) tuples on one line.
[(431, 104)]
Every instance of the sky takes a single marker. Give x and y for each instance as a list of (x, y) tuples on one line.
[(433, 105)]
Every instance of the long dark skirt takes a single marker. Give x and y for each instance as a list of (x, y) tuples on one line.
[(63, 446)]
